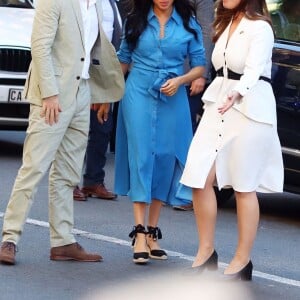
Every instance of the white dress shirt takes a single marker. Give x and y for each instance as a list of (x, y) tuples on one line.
[(91, 31), (108, 19)]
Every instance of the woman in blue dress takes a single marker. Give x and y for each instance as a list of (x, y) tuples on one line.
[(154, 126)]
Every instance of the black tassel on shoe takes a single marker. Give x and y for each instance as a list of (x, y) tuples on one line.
[(155, 234), (138, 257)]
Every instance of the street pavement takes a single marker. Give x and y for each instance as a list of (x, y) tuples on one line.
[(103, 226)]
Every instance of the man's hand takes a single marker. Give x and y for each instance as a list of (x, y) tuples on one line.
[(50, 110), (102, 111), (197, 86)]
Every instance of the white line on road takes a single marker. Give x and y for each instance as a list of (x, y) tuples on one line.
[(109, 239)]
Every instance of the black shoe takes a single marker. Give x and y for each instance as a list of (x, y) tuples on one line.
[(155, 233), (210, 264), (138, 257), (244, 274)]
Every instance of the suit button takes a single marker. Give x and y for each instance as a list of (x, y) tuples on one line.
[(82, 58), (78, 77)]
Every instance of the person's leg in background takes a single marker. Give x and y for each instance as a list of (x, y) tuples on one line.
[(115, 110), (112, 142), (94, 174), (195, 107)]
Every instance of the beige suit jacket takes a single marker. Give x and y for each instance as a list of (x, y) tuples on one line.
[(58, 55)]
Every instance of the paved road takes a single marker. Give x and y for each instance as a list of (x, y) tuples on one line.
[(103, 226)]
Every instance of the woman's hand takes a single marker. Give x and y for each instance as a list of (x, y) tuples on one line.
[(232, 97), (170, 87)]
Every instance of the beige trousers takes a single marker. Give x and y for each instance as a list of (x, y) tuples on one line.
[(60, 147)]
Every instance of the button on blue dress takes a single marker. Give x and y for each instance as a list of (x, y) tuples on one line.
[(153, 130)]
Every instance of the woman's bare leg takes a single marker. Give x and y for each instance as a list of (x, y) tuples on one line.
[(139, 211), (154, 213), (247, 218), (205, 210)]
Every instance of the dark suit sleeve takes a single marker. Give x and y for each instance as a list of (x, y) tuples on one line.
[(205, 16)]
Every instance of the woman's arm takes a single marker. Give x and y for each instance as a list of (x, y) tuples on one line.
[(124, 67), (171, 86)]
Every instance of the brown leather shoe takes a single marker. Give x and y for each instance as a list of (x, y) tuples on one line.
[(73, 252), (185, 207), (8, 253), (98, 191), (78, 195)]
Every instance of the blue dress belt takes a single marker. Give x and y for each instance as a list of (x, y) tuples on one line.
[(163, 76)]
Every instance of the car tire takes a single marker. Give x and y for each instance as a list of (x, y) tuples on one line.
[(223, 196)]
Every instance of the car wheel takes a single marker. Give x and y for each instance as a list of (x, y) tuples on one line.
[(223, 196)]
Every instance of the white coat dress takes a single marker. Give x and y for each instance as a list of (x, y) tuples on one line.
[(243, 143)]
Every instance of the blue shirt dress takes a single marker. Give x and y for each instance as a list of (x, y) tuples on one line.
[(153, 130)]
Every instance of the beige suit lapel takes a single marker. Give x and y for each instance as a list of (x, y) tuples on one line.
[(77, 10)]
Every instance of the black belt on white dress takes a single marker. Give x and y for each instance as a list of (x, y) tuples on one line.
[(236, 76)]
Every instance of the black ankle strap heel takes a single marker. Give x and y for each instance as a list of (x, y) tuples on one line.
[(155, 234), (138, 257), (135, 230)]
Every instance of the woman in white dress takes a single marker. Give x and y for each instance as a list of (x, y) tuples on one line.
[(236, 144)]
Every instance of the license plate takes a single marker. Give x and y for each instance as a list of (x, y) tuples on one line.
[(15, 95)]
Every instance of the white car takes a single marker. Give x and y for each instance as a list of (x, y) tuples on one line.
[(16, 17)]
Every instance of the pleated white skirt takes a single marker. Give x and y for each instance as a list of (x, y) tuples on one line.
[(247, 154)]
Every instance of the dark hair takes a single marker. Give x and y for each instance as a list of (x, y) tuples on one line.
[(253, 10), (136, 20)]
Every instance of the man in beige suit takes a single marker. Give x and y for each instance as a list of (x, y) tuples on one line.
[(72, 63)]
